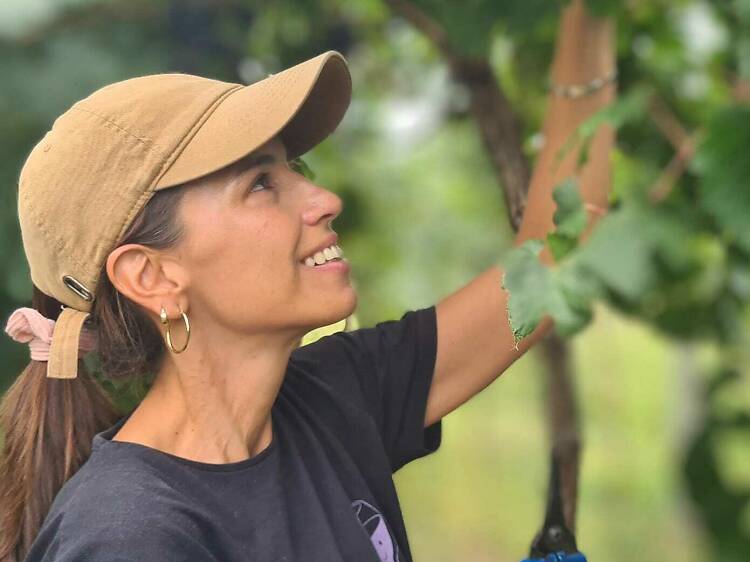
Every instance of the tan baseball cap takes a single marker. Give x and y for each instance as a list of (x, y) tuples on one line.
[(84, 182)]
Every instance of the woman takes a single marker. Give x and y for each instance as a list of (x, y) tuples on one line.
[(173, 202)]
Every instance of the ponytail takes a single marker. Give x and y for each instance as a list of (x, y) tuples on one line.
[(48, 425)]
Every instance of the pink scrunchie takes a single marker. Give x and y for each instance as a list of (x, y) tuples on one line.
[(27, 325)]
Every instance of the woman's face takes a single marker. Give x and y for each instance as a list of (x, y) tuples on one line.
[(248, 229)]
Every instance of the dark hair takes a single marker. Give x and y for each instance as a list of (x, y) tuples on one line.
[(49, 423)]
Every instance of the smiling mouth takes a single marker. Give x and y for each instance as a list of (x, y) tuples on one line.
[(331, 254)]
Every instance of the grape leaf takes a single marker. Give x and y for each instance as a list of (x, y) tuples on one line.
[(569, 218), (536, 290), (529, 284), (618, 255)]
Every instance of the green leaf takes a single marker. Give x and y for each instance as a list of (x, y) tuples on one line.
[(536, 290), (301, 167), (722, 163), (626, 109), (570, 303), (570, 216), (529, 284), (619, 255), (560, 245), (602, 8), (469, 25)]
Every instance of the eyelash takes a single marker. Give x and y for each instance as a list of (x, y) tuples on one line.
[(262, 178)]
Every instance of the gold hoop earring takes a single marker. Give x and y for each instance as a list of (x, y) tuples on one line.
[(165, 320)]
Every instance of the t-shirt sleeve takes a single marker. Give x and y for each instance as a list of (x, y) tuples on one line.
[(387, 369)]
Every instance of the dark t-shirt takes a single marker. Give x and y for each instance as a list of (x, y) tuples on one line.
[(349, 413)]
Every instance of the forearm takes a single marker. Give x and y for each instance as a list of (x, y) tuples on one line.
[(475, 341), (584, 51)]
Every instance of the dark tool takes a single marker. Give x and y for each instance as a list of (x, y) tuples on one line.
[(554, 542)]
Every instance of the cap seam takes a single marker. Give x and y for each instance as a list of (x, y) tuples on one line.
[(59, 243), (190, 134), (143, 140), (170, 160), (161, 160)]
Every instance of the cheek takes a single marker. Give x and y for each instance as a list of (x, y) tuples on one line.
[(251, 260)]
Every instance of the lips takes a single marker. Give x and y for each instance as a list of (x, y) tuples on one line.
[(329, 241)]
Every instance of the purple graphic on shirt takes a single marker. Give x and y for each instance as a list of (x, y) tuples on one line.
[(374, 523)]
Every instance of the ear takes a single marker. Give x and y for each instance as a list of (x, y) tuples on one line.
[(149, 278)]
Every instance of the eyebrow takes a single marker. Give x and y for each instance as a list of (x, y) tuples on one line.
[(249, 162), (257, 160)]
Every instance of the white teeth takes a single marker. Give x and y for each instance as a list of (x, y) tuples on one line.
[(332, 252)]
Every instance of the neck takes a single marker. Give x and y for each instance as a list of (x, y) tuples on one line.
[(212, 408)]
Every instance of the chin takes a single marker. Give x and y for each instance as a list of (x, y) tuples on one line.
[(338, 310), (348, 306)]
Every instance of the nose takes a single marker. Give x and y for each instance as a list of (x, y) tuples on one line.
[(320, 204)]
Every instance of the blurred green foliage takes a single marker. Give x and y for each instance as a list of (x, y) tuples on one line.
[(423, 215)]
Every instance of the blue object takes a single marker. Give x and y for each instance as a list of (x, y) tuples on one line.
[(558, 557)]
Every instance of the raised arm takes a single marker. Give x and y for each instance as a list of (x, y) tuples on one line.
[(475, 343)]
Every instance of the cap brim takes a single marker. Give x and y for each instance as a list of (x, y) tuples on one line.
[(302, 104)]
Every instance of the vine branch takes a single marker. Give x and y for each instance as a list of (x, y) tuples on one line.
[(499, 126)]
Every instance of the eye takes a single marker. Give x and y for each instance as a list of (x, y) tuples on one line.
[(263, 179)]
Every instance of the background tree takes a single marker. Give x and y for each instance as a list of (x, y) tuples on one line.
[(660, 371)]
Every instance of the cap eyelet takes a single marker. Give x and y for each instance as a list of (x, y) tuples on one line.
[(77, 287)]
